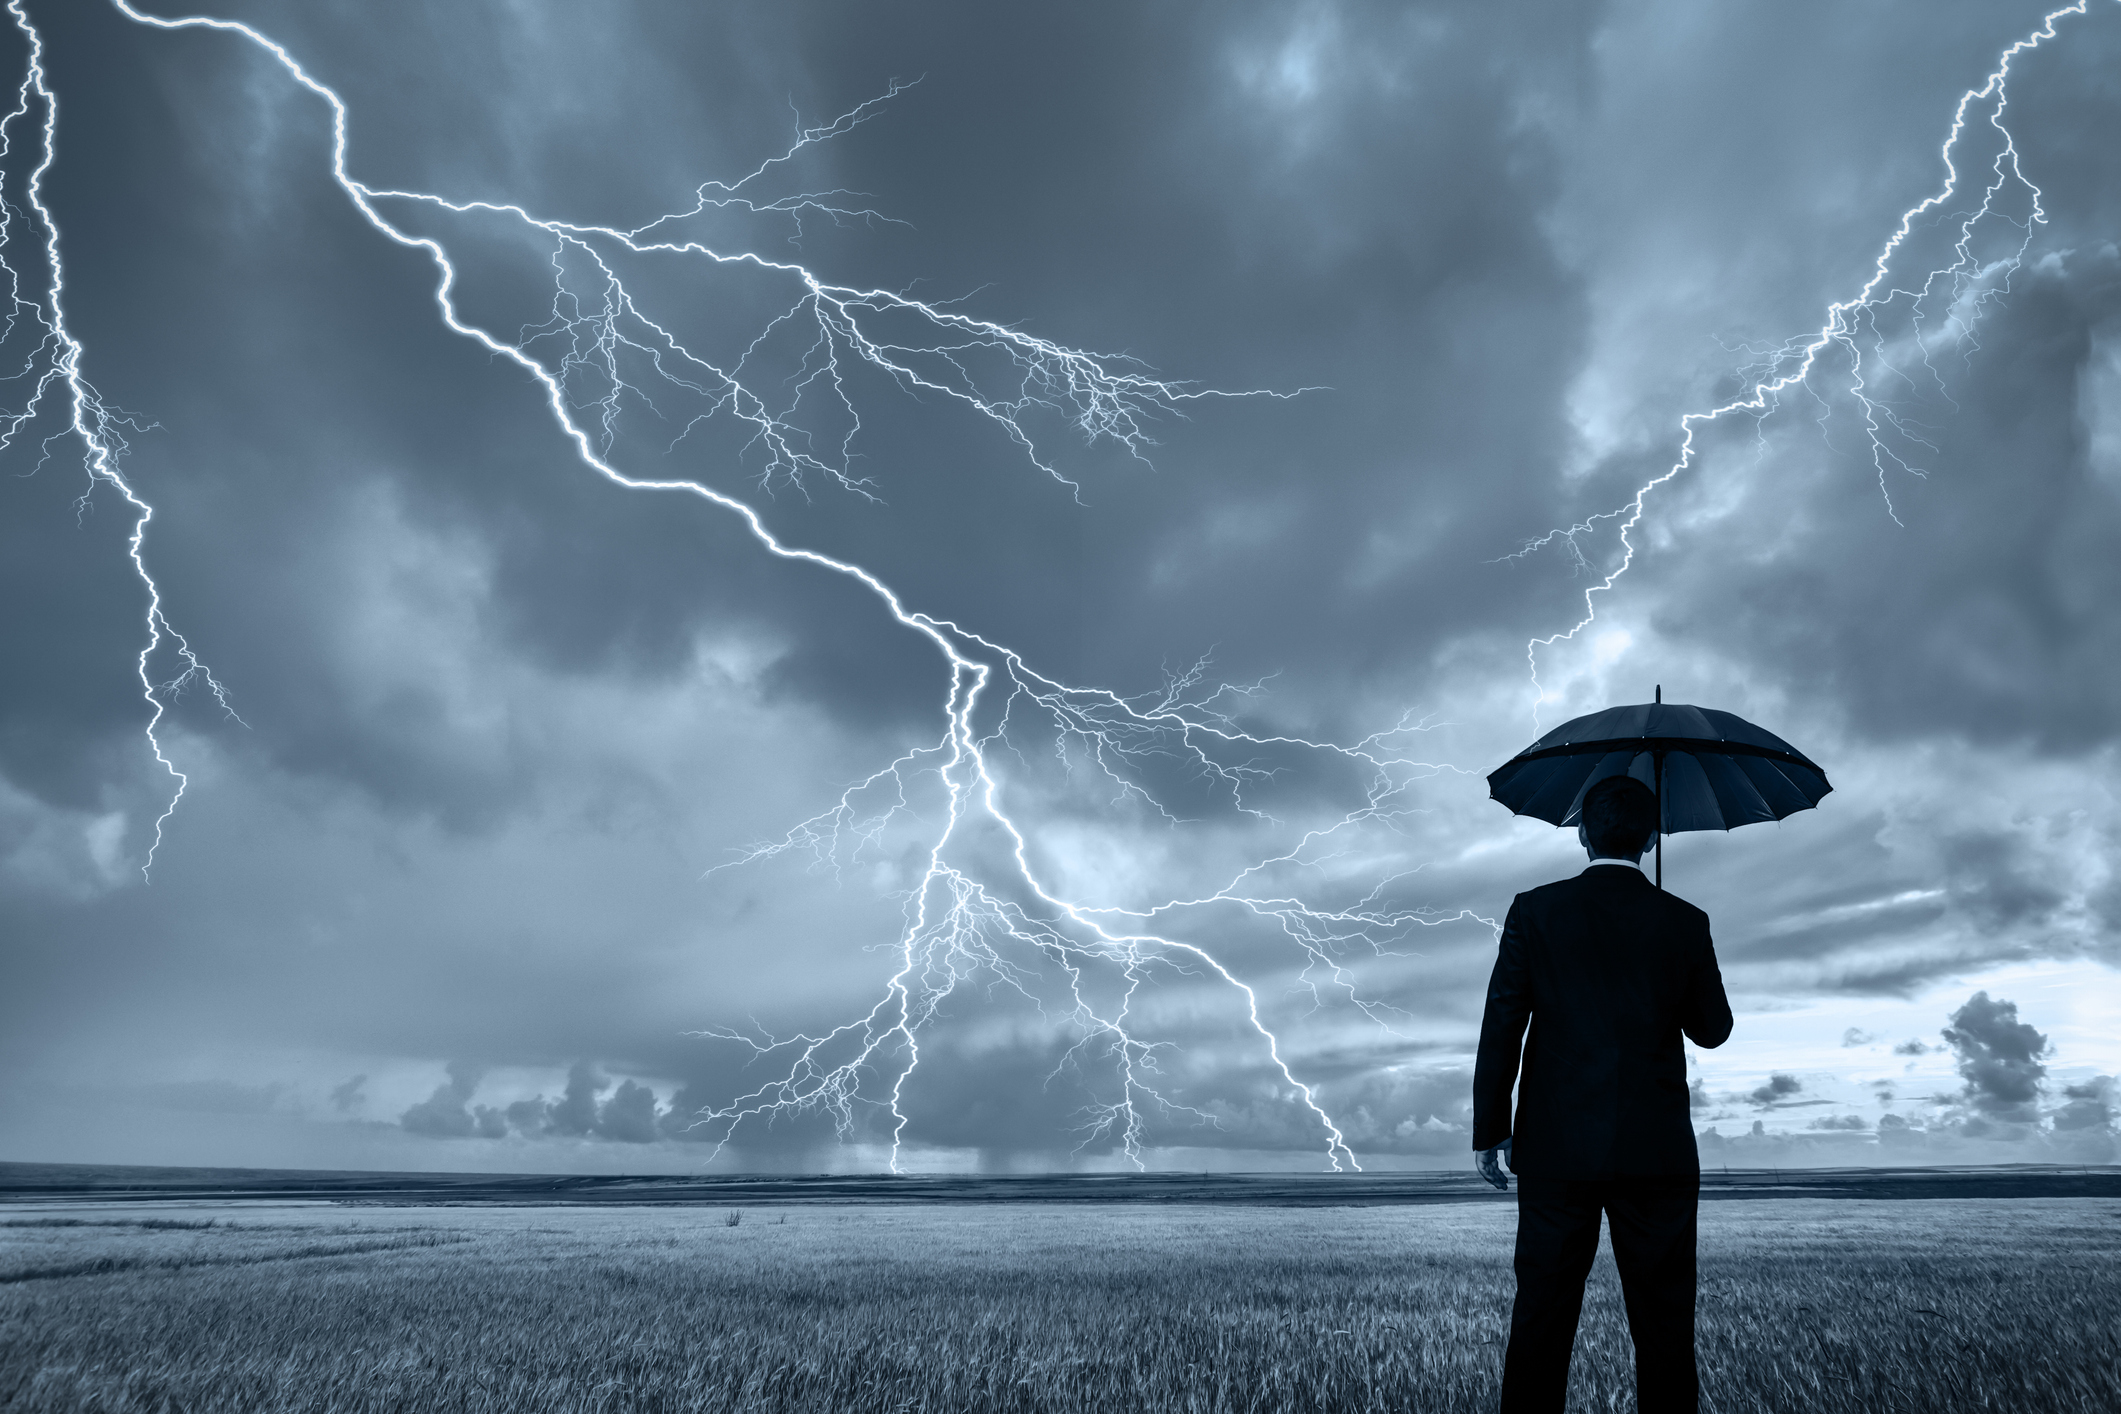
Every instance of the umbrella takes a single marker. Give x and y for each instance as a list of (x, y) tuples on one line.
[(1711, 770)]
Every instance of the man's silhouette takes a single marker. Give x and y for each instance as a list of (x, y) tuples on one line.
[(1608, 969)]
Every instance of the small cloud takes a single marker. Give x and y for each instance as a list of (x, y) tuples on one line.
[(1779, 1087), (2092, 1105), (1697, 1096), (1911, 1048), (1857, 1036), (348, 1097), (1840, 1122), (443, 1115), (1902, 1137), (1759, 1128)]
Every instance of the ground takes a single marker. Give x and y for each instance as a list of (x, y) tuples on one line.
[(1807, 1305)]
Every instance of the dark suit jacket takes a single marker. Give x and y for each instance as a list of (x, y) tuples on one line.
[(1609, 971)]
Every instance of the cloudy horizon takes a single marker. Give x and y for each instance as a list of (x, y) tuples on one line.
[(480, 869)]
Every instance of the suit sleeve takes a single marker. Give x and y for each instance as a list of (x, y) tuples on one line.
[(1502, 1026), (1707, 1020)]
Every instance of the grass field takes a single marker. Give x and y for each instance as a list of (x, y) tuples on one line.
[(1807, 1305)]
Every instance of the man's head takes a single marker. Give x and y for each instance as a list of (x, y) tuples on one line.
[(1619, 816)]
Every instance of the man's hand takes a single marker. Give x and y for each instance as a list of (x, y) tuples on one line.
[(1489, 1162)]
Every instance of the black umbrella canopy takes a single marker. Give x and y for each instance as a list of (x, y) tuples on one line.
[(1712, 770)]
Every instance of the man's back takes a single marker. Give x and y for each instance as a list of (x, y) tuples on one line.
[(1608, 970)]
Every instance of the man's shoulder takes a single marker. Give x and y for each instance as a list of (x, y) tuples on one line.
[(1591, 879), (1574, 890), (1561, 895), (1556, 892), (1696, 916)]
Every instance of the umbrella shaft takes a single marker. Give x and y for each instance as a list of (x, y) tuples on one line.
[(1660, 809)]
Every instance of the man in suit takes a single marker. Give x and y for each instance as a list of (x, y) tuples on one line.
[(1609, 970)]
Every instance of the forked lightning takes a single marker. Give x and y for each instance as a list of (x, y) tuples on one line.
[(592, 357)]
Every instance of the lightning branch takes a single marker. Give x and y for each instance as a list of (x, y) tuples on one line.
[(603, 355), (1941, 305)]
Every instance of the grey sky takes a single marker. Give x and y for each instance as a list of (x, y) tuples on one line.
[(505, 718)]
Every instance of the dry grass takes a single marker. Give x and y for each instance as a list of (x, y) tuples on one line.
[(1807, 1306)]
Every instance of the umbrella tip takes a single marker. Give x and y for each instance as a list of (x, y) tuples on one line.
[(1660, 692)]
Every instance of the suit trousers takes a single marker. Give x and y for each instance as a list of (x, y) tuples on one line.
[(1652, 1221)]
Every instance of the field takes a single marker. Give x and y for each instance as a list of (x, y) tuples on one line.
[(1807, 1305)]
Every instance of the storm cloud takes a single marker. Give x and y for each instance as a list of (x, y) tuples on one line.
[(507, 738)]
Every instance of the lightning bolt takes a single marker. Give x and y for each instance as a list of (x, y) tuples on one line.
[(1972, 283), (99, 429), (977, 912)]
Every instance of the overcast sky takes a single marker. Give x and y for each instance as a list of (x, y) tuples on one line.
[(470, 877)]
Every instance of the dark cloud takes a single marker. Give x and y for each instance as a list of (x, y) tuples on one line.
[(66, 741), (1023, 1100), (1999, 1057), (446, 1113), (1778, 1089), (575, 1112), (1879, 969), (1853, 1122), (528, 1116), (2105, 904), (503, 715), (463, 466), (629, 1116), (1989, 605), (347, 1095), (1857, 1036), (2092, 1105), (1841, 931), (1993, 879), (1913, 1046)]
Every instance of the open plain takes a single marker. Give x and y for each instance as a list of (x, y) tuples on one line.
[(1807, 1305)]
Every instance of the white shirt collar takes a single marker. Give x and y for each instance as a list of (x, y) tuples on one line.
[(1625, 863)]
